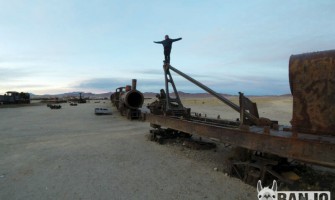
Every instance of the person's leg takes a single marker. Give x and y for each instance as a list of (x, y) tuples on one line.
[(169, 58), (168, 55)]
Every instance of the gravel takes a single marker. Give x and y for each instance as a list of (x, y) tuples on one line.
[(71, 153)]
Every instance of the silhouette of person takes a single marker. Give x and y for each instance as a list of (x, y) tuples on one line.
[(167, 44)]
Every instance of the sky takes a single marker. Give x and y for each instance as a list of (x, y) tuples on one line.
[(59, 46)]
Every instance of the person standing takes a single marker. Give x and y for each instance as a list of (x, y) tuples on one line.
[(167, 44)]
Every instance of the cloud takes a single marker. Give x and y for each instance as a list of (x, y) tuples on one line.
[(86, 46), (100, 83), (9, 74), (149, 71), (110, 84), (22, 87), (248, 84)]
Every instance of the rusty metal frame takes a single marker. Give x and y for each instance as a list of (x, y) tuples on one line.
[(243, 112), (169, 100), (304, 147), (247, 105)]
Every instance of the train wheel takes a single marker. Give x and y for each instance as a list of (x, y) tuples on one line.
[(251, 166)]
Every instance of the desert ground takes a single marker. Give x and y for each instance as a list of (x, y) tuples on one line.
[(273, 107), (71, 153)]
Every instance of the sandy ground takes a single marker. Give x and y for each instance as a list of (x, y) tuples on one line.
[(73, 154), (277, 108)]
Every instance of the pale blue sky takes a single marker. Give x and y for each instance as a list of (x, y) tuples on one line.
[(56, 46)]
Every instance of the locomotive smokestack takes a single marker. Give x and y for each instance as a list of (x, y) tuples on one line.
[(133, 84)]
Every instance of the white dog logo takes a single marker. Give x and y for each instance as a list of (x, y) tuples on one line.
[(266, 193)]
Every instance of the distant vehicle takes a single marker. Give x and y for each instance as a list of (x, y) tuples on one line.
[(102, 111), (73, 104), (54, 106)]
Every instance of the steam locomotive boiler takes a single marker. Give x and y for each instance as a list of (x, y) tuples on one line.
[(128, 100)]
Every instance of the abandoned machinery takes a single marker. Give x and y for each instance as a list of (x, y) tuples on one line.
[(12, 97), (128, 101), (311, 139)]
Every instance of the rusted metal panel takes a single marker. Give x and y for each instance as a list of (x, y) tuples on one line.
[(307, 148), (312, 81)]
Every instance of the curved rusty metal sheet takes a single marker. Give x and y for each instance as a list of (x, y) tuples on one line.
[(312, 82)]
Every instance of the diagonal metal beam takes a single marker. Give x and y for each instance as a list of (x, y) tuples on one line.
[(217, 95)]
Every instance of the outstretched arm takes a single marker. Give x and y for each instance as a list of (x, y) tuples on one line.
[(158, 42), (173, 40)]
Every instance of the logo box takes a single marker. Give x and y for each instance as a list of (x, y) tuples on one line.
[(303, 195)]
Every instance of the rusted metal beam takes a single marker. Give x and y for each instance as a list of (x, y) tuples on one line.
[(308, 148), (178, 106), (207, 89), (217, 95)]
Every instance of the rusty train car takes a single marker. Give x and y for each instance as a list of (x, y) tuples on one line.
[(128, 100), (12, 97), (311, 139)]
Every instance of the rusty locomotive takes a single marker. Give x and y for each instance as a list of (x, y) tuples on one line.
[(128, 100), (12, 97)]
